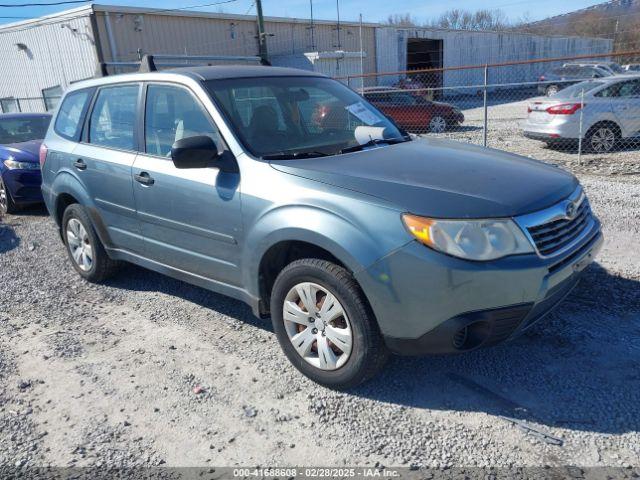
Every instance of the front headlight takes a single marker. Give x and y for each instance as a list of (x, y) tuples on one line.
[(12, 164), (469, 239)]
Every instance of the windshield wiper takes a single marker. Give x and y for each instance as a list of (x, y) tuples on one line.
[(290, 156), (375, 141)]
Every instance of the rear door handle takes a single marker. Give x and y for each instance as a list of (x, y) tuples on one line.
[(79, 164), (144, 178)]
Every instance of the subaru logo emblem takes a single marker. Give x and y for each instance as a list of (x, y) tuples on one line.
[(571, 210)]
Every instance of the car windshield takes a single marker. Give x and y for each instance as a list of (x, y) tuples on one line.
[(23, 129), (616, 68), (299, 116), (575, 91)]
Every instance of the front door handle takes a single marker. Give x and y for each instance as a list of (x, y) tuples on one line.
[(144, 178), (79, 164)]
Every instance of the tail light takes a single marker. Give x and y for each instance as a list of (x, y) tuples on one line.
[(529, 109), (542, 78), (564, 109), (43, 154)]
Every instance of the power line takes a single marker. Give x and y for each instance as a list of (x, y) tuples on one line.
[(42, 4)]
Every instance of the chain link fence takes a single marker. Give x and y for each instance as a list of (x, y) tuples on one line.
[(581, 113)]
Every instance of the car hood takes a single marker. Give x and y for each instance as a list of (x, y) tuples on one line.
[(23, 151), (441, 178)]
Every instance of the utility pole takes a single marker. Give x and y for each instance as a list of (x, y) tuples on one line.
[(312, 27), (338, 24), (262, 36)]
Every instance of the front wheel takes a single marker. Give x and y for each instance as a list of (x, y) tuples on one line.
[(6, 202), (324, 324)]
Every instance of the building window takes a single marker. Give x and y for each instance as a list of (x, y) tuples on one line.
[(9, 105), (51, 97)]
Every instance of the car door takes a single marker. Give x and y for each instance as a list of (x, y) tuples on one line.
[(190, 218), (103, 161), (626, 107), (411, 114)]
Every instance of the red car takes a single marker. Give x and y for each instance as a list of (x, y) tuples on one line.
[(414, 113)]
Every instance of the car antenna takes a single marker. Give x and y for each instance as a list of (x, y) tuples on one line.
[(147, 64)]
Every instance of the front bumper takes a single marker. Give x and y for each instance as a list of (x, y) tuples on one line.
[(24, 185), (428, 302)]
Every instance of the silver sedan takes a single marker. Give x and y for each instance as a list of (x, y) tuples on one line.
[(602, 112)]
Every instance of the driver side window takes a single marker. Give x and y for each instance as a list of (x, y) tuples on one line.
[(172, 113)]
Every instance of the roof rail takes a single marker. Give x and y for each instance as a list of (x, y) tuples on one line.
[(148, 62)]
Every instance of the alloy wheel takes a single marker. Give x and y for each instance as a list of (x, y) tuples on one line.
[(552, 90), (79, 245), (437, 125), (603, 140), (317, 326), (4, 199)]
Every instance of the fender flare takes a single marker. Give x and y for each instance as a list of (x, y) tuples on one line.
[(349, 243), (66, 183)]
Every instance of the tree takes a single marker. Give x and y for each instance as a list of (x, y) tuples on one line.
[(457, 19), (402, 20)]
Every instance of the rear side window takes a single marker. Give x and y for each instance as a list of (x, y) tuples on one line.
[(71, 113), (113, 119)]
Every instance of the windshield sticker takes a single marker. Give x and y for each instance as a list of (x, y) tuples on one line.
[(363, 113)]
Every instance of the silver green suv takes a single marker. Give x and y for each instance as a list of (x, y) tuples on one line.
[(287, 190)]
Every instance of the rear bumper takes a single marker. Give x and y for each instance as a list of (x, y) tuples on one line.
[(24, 185), (453, 306), (545, 137)]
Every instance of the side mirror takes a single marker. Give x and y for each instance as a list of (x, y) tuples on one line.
[(194, 152)]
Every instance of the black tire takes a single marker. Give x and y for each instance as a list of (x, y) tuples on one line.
[(551, 90), (608, 134), (438, 124), (368, 352), (7, 205), (102, 267)]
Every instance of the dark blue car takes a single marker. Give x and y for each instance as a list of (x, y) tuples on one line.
[(20, 137)]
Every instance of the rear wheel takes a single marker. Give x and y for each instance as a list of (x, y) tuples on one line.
[(602, 138), (437, 124), (6, 202), (86, 252), (324, 324), (552, 90)]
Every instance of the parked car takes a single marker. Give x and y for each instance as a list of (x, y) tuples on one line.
[(632, 67), (609, 109), (20, 137), (414, 113), (612, 67), (355, 239), (552, 82)]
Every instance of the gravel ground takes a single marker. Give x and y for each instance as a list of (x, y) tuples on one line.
[(145, 370)]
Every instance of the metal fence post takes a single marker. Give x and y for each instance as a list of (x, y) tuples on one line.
[(485, 119), (580, 131)]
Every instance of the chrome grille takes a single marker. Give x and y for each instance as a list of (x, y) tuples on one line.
[(553, 236)]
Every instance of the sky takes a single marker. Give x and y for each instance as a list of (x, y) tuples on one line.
[(371, 10)]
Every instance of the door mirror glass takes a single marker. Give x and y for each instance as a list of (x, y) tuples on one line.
[(194, 152)]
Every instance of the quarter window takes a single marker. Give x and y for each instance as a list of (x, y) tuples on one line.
[(9, 105), (171, 114), (113, 117), (69, 117), (51, 97)]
